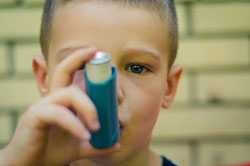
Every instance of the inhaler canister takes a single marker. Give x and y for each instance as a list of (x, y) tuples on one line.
[(100, 81)]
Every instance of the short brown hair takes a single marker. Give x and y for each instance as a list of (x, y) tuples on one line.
[(165, 8)]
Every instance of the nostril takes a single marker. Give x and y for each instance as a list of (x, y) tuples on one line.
[(119, 101), (121, 125)]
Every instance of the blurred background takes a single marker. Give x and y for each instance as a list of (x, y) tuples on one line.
[(209, 124)]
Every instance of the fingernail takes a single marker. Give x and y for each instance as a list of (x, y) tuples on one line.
[(86, 136), (96, 125)]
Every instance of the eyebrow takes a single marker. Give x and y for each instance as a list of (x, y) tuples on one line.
[(144, 50), (131, 49)]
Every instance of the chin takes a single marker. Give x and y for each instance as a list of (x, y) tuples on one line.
[(118, 157), (112, 159)]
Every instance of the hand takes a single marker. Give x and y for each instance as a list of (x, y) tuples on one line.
[(56, 130)]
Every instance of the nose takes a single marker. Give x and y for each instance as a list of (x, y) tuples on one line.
[(120, 91)]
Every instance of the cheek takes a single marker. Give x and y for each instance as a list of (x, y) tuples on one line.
[(148, 106), (144, 101), (147, 93), (144, 106)]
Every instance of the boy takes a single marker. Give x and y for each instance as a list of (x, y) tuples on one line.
[(141, 36)]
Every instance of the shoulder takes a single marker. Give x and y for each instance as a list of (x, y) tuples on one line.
[(166, 162)]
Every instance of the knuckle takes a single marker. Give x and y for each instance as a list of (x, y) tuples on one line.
[(75, 90), (29, 116), (70, 90), (58, 68), (28, 112), (64, 94)]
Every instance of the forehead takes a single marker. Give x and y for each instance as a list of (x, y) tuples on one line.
[(107, 26)]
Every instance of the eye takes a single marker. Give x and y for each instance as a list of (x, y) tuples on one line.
[(136, 68)]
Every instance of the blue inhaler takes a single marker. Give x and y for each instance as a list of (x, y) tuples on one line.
[(100, 82)]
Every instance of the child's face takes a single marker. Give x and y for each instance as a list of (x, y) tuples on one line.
[(138, 41)]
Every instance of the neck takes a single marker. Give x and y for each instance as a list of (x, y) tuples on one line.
[(146, 158)]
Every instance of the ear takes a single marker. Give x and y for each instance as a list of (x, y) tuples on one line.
[(172, 83), (39, 67)]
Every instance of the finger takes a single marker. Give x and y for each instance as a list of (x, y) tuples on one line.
[(64, 71), (78, 80), (73, 98), (43, 116)]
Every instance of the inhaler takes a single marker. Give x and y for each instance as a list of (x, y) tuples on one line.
[(100, 81)]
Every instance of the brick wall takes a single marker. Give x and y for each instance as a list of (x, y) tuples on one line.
[(209, 121)]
